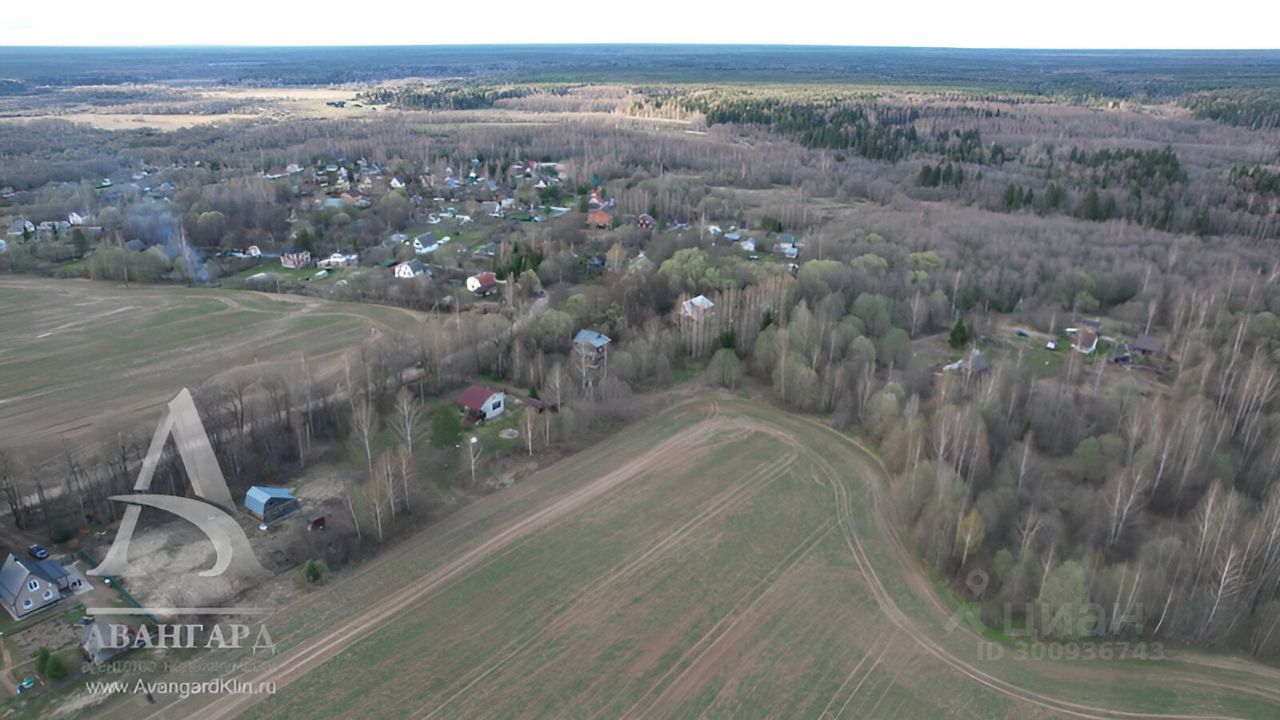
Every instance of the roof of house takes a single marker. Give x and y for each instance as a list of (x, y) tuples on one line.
[(1086, 339), (701, 302), (1148, 343), (592, 338), (599, 216), (12, 575), (258, 496), (475, 397), (486, 279), (1093, 324), (415, 266), (50, 570)]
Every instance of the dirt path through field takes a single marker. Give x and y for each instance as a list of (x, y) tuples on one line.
[(5, 676)]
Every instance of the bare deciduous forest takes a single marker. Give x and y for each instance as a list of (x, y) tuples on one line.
[(914, 251)]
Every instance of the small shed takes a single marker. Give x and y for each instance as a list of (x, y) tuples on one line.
[(269, 504), (482, 402)]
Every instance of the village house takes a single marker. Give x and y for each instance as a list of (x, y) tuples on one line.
[(974, 362), (697, 308), (411, 269), (50, 230), (338, 260), (483, 283), (481, 402), (591, 346), (26, 588), (295, 259), (599, 219), (98, 646), (21, 227), (1148, 345), (1085, 340), (425, 243)]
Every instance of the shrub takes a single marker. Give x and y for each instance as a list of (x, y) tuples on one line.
[(55, 668), (314, 571)]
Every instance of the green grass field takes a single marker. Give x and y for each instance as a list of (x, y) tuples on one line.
[(79, 359), (721, 559)]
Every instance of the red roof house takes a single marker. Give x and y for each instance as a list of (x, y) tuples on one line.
[(482, 402), (599, 219)]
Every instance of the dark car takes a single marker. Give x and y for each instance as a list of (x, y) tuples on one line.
[(38, 552)]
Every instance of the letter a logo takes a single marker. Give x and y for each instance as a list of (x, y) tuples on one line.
[(182, 421)]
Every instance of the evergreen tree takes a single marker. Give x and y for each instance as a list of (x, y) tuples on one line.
[(959, 334), (1092, 207)]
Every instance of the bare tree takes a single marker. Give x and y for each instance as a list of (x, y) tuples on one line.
[(408, 415), (364, 420)]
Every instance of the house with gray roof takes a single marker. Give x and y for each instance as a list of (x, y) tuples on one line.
[(1148, 345), (101, 642), (25, 588)]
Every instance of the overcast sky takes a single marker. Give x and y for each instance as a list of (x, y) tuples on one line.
[(1246, 24)]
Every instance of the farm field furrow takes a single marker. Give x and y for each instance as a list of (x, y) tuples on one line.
[(722, 559)]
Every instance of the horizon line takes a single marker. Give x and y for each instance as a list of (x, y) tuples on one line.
[(234, 46)]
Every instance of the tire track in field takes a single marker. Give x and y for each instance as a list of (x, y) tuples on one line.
[(700, 649), (895, 615), (865, 677), (849, 678), (762, 477), (311, 654)]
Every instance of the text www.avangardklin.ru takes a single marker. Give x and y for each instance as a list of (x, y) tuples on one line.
[(181, 689)]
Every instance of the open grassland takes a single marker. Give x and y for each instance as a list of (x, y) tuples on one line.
[(721, 559), (78, 358)]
